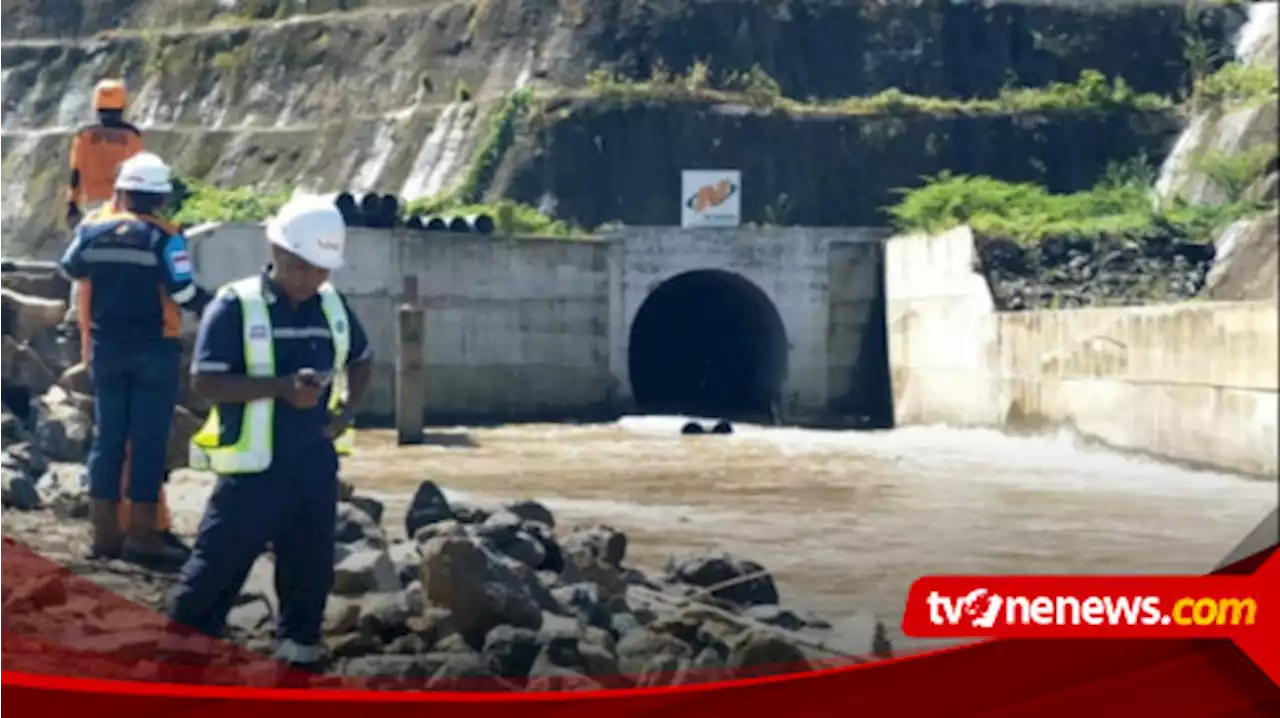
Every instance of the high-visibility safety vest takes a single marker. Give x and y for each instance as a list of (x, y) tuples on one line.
[(253, 451)]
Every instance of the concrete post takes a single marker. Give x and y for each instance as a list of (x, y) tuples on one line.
[(410, 366)]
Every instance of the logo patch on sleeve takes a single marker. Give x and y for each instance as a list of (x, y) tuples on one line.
[(181, 262)]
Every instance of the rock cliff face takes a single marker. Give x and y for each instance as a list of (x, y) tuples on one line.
[(598, 161), (1228, 153), (398, 96)]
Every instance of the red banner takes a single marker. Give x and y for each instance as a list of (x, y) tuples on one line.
[(1005, 676)]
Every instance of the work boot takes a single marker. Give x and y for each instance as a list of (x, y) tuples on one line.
[(107, 540), (147, 547)]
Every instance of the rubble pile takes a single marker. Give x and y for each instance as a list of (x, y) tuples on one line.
[(494, 596), (48, 393)]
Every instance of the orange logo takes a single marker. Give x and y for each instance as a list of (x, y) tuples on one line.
[(709, 196)]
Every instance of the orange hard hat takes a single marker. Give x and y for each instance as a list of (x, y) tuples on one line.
[(109, 95)]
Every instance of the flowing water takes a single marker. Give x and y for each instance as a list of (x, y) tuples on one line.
[(846, 520)]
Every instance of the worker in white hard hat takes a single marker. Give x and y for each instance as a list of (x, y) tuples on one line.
[(135, 275), (284, 360)]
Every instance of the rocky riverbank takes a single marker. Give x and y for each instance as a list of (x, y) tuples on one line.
[(499, 596), (1073, 272)]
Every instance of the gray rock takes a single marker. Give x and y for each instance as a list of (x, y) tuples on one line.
[(552, 556), (384, 615), (423, 666), (525, 549), (468, 514), (19, 491), (353, 645), (624, 623), (500, 527), (583, 599), (479, 587), (709, 659), (24, 459), (365, 571), (416, 598), (708, 570), (439, 528), (65, 491), (407, 559), (251, 614), (410, 644), (563, 680), (466, 672), (354, 526), (664, 670), (372, 507), (63, 431), (774, 615), (11, 429), (427, 506), (341, 615), (530, 510), (638, 648), (510, 652), (765, 649), (604, 542), (433, 624)]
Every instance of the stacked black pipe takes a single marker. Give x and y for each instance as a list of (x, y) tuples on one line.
[(384, 211)]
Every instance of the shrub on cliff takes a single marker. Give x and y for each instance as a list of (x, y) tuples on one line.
[(1090, 92), (1234, 86), (199, 201), (1120, 205)]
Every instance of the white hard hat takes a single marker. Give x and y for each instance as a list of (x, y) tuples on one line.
[(312, 228), (144, 172)]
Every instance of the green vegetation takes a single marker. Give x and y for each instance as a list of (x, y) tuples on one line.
[(1234, 173), (1235, 86), (1119, 206), (199, 201), (1091, 92)]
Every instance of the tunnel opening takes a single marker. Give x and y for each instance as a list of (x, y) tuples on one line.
[(708, 343)]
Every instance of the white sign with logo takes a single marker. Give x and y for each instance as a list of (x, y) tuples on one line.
[(711, 198)]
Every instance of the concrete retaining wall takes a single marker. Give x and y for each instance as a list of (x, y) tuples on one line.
[(1194, 382), (541, 328), (513, 328)]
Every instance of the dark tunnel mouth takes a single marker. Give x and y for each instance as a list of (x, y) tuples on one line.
[(708, 343)]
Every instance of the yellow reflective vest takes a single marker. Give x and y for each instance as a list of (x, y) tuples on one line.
[(253, 451)]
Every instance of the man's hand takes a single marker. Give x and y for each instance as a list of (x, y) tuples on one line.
[(73, 215), (303, 389), (339, 423)]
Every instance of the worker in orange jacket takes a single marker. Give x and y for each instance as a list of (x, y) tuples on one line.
[(97, 151)]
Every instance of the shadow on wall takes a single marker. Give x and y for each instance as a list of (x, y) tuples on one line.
[(709, 343), (869, 402)]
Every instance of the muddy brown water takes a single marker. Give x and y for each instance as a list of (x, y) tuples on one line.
[(846, 520)]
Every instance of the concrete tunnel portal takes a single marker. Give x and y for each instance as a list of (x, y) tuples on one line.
[(709, 343)]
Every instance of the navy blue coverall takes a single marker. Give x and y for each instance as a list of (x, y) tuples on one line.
[(293, 504), (136, 273)]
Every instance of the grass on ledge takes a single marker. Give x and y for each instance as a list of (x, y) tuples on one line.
[(200, 201), (1120, 206), (1091, 92)]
